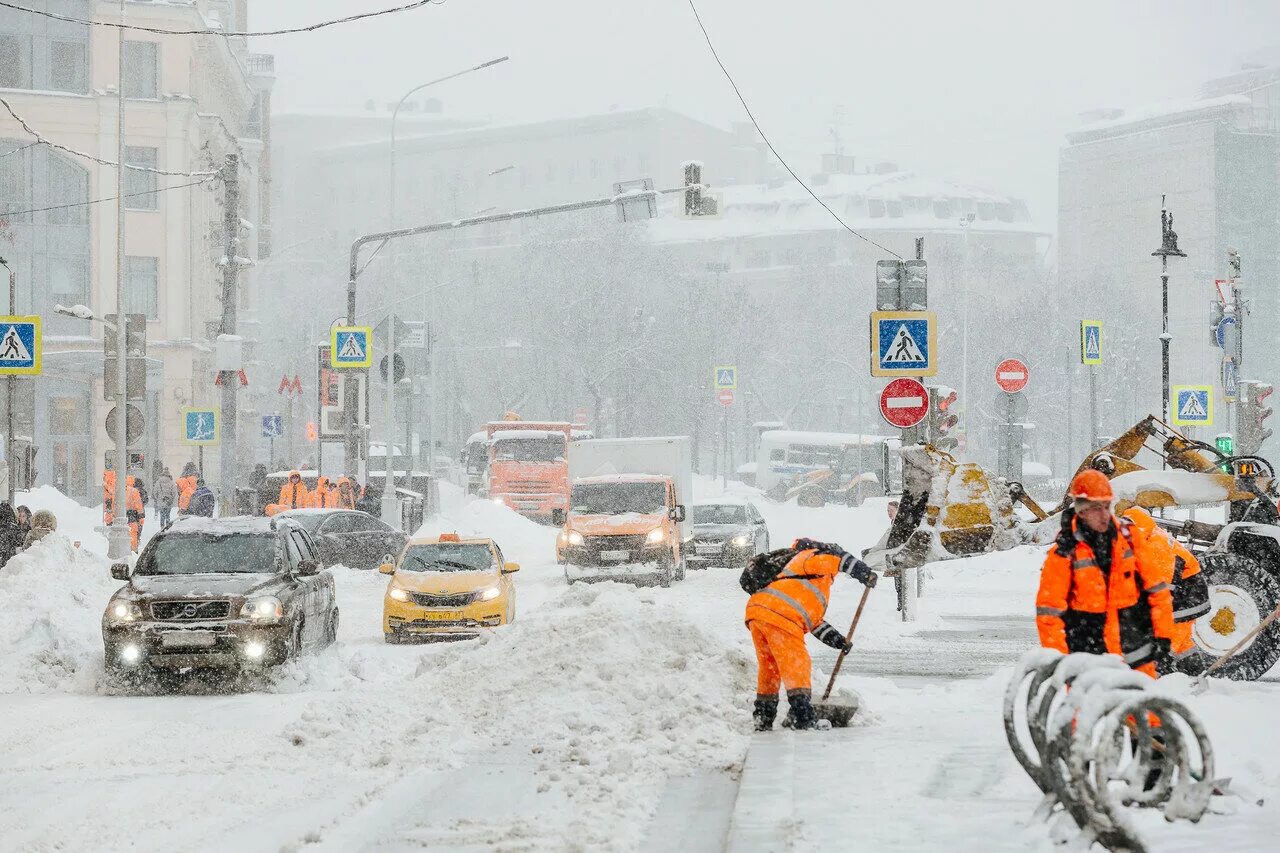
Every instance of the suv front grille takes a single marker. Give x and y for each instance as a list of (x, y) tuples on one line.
[(529, 486), (461, 599), (189, 611)]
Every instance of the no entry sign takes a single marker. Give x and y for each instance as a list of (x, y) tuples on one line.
[(1012, 375), (904, 403), (725, 396)]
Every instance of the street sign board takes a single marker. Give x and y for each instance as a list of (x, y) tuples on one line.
[(725, 396), (133, 423), (21, 348), (1223, 332), (331, 418), (1091, 342), (1230, 379), (200, 426), (272, 426), (135, 338), (904, 343), (350, 347), (726, 376), (135, 379), (904, 402), (1192, 405), (1014, 406), (1012, 375)]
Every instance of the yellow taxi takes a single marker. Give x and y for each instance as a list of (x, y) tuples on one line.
[(447, 585)]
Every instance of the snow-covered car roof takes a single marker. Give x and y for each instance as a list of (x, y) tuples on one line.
[(463, 540), (797, 437), (290, 513), (621, 478), (221, 526), (725, 500), (525, 434)]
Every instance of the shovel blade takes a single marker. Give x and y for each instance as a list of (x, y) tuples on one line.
[(839, 714)]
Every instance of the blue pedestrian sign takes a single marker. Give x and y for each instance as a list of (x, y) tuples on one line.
[(349, 347), (272, 426), (726, 377), (1192, 405), (1230, 380), (904, 343), (200, 426), (1091, 342), (21, 349)]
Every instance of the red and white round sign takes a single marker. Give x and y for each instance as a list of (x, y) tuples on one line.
[(1012, 375), (904, 403), (725, 396)]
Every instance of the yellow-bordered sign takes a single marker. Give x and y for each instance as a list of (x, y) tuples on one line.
[(1091, 342), (21, 346), (201, 426), (1192, 405), (351, 346), (726, 377), (904, 343)]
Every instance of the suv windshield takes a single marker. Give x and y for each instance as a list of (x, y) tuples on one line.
[(529, 449), (619, 498), (448, 557), (718, 514), (207, 553)]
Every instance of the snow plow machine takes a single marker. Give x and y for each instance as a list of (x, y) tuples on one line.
[(950, 509)]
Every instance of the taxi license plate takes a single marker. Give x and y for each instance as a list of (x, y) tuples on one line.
[(187, 639), (443, 616), (615, 556)]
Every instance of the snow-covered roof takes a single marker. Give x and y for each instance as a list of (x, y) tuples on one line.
[(782, 436), (1163, 113), (220, 526), (1185, 487), (525, 434), (605, 479), (478, 437)]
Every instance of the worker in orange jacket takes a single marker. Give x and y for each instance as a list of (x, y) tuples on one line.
[(294, 494), (108, 496), (778, 617), (325, 495), (186, 486), (346, 493), (1104, 588), (135, 511), (1190, 592)]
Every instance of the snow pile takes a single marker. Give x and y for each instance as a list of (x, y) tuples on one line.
[(520, 539), (76, 522), (51, 636)]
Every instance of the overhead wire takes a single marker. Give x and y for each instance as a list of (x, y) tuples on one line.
[(20, 150), (359, 16), (760, 130), (13, 213), (45, 141)]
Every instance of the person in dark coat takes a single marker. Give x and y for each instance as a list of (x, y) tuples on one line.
[(24, 519), (202, 500), (263, 491), (11, 536), (166, 494)]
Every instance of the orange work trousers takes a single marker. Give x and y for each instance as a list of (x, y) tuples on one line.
[(781, 658), (135, 529)]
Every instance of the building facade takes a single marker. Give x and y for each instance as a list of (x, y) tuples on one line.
[(189, 101)]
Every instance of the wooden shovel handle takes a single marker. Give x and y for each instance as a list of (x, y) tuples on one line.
[(848, 638)]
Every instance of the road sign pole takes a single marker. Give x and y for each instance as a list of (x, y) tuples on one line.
[(8, 449), (232, 252), (1093, 408), (390, 506)]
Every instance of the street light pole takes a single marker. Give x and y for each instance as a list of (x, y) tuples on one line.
[(1168, 247), (118, 542)]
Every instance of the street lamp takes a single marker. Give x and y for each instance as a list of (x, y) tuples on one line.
[(1168, 247), (390, 507), (118, 542)]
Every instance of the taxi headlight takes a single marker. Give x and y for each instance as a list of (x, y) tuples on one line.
[(264, 609), (122, 611), (574, 538), (489, 593), (741, 540), (398, 594), (657, 534)]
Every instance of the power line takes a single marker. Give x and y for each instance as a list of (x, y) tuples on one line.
[(19, 150), (418, 4), (14, 213), (760, 130), (41, 139)]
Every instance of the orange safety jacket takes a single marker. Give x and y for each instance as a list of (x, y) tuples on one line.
[(325, 496), (1190, 592), (294, 495), (347, 496), (186, 488), (1081, 608), (796, 600)]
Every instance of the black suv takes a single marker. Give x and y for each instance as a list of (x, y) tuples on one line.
[(235, 593)]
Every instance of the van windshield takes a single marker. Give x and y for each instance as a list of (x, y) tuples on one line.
[(619, 498), (529, 450)]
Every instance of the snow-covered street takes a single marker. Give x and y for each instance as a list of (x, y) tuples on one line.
[(606, 717)]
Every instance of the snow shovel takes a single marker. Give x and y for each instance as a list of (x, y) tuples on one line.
[(1199, 686), (840, 713)]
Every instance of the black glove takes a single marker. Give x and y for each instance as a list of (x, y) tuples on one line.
[(1164, 656), (828, 635), (858, 570)]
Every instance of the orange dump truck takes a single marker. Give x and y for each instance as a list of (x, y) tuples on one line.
[(529, 467)]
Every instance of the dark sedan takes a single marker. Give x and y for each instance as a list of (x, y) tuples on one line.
[(724, 533), (351, 538), (236, 593)]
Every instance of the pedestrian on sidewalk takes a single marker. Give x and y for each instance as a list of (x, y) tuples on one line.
[(11, 535), (202, 500), (166, 497), (790, 590)]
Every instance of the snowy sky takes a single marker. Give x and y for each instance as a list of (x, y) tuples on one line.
[(979, 92)]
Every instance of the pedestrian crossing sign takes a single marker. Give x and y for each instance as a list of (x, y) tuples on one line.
[(726, 377), (1192, 405), (200, 426), (1091, 342), (904, 343), (349, 347), (21, 349)]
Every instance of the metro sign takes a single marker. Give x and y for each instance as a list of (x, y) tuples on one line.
[(904, 403)]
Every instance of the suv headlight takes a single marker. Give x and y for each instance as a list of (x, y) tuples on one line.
[(574, 538), (657, 534), (121, 610), (741, 539), (489, 593), (398, 594), (264, 608)]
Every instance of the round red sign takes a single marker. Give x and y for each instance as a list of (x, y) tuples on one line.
[(725, 396), (1012, 375), (904, 403)]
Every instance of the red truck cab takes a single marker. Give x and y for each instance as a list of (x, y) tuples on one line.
[(529, 467)]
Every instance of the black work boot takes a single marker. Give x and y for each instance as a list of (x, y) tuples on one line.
[(765, 711), (801, 716)]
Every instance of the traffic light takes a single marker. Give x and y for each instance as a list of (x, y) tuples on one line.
[(695, 203), (1226, 445), (943, 417), (1252, 415), (312, 432)]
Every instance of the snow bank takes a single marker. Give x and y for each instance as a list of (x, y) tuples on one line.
[(520, 539), (50, 636), (78, 523)]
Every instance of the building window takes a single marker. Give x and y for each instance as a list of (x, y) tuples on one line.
[(142, 287), (15, 61), (875, 208), (140, 187), (68, 185), (69, 279), (894, 208), (66, 416), (141, 69), (14, 192), (69, 67)]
